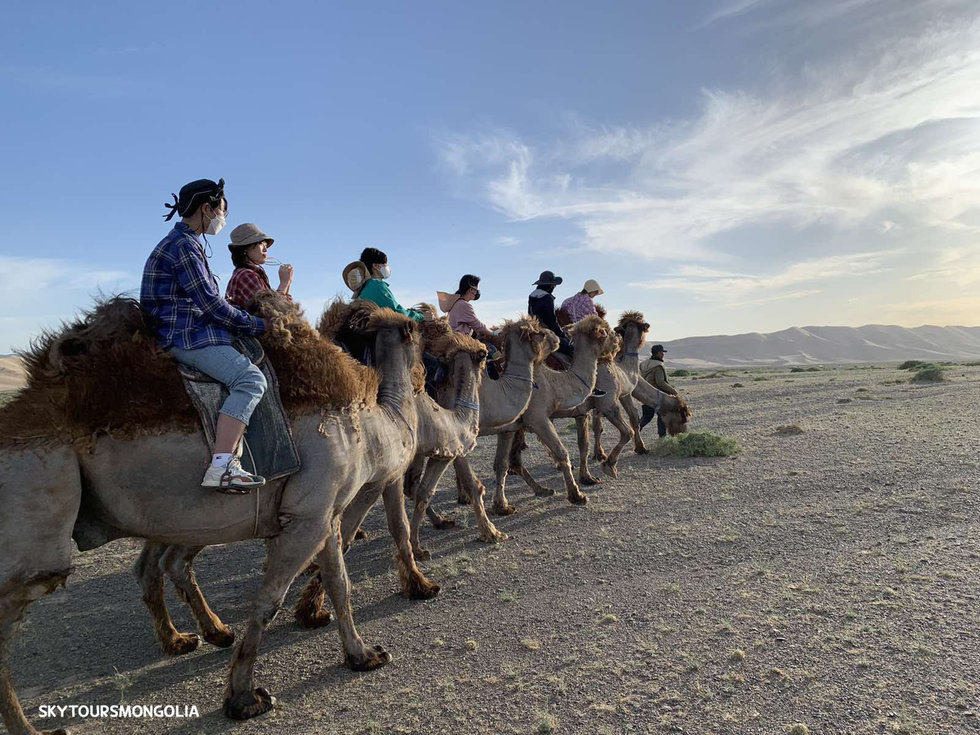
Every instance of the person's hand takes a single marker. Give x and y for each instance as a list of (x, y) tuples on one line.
[(285, 275)]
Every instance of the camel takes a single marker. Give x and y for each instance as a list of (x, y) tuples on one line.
[(557, 391), (525, 344), (438, 430), (110, 486)]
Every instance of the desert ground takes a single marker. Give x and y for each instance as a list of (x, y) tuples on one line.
[(821, 581)]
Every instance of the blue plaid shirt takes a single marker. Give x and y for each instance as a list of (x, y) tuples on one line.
[(181, 292)]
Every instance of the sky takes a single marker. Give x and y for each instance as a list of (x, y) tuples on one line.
[(723, 166)]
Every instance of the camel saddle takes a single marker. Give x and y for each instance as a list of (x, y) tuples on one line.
[(268, 448)]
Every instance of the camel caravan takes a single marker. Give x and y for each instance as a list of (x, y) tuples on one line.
[(300, 430)]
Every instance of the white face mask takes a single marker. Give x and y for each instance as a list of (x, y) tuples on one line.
[(216, 224), (384, 271)]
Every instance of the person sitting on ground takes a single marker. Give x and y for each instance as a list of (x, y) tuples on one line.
[(376, 289), (582, 304), (249, 247), (654, 372), (195, 325), (541, 304)]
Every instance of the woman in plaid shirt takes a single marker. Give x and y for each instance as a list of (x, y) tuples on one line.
[(249, 247), (194, 324)]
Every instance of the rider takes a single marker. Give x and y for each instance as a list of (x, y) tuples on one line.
[(195, 325), (582, 304), (248, 247), (462, 317), (541, 304), (376, 289)]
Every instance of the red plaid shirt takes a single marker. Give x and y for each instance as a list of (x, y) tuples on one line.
[(245, 282)]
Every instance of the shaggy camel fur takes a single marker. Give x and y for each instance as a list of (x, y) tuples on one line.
[(55, 492), (557, 391), (525, 344)]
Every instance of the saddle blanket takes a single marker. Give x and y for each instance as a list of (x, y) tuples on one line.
[(268, 444)]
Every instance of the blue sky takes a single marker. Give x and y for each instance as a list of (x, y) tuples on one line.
[(723, 166)]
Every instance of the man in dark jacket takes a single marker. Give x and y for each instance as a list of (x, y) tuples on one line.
[(655, 374), (541, 304)]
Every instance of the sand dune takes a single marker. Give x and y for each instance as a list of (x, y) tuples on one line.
[(11, 373), (826, 345)]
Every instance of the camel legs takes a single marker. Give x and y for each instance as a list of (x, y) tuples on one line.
[(516, 466), (475, 490), (333, 575), (600, 453), (177, 564), (414, 583), (289, 553), (150, 576), (582, 429), (548, 435), (422, 494), (501, 464), (17, 595), (615, 415), (357, 510), (634, 416)]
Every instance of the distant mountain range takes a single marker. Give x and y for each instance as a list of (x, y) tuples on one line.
[(826, 345)]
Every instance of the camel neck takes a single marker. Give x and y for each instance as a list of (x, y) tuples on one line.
[(519, 371)]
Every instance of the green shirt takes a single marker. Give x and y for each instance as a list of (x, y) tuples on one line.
[(378, 292)]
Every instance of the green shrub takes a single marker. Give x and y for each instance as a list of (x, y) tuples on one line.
[(910, 364), (797, 370), (680, 373), (928, 373), (697, 444)]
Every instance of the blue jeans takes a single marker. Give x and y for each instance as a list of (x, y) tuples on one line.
[(245, 383)]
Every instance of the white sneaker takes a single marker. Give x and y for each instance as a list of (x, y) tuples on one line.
[(231, 479)]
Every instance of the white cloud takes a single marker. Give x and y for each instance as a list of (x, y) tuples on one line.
[(736, 288), (882, 139), (37, 293)]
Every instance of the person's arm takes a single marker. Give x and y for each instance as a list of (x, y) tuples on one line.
[(195, 280), (546, 313), (469, 317), (379, 292), (660, 380)]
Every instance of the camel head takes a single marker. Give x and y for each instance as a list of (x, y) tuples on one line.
[(465, 356), (526, 333), (590, 334), (675, 414), (395, 337), (633, 329)]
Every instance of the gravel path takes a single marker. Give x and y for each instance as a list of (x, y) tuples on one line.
[(826, 578)]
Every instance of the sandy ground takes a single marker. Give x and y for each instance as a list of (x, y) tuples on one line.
[(827, 579), (11, 374)]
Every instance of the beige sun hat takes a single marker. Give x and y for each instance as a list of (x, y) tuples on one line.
[(247, 234), (356, 275), (592, 285)]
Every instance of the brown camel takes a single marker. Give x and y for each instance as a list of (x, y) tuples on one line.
[(557, 391), (525, 344), (53, 490), (439, 432)]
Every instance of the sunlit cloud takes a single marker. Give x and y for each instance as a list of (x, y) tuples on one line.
[(878, 142)]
